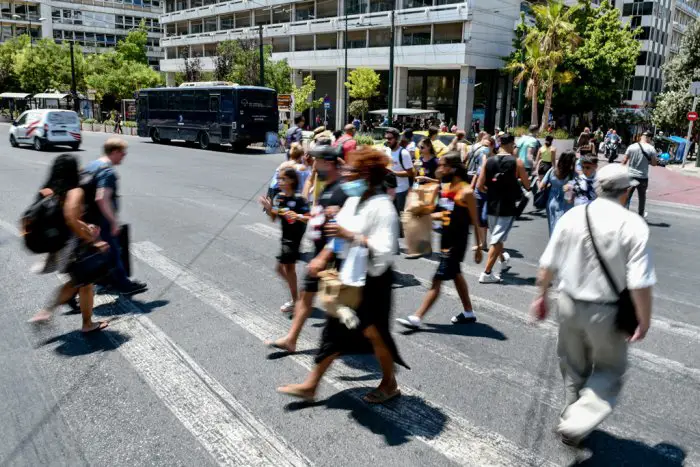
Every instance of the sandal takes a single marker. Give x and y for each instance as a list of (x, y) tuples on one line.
[(377, 396), (98, 326)]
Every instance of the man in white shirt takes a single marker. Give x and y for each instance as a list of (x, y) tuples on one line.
[(592, 350), (638, 158), (401, 165)]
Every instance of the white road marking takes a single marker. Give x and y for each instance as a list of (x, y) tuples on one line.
[(458, 439), (10, 228), (224, 427), (263, 230)]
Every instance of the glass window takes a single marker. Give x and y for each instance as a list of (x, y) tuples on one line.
[(380, 5), (6, 10), (262, 17), (196, 26), (282, 14), (196, 3), (326, 9), (227, 101), (170, 29), (326, 41), (416, 35), (174, 100), (214, 104), (56, 15), (304, 11), (243, 19), (379, 37), (417, 3), (447, 2), (302, 43), (357, 39), (441, 91), (226, 22), (57, 34), (414, 98), (181, 4), (187, 100), (449, 33), (210, 24), (201, 100), (169, 6), (281, 44)]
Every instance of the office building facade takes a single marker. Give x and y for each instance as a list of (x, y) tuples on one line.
[(447, 57)]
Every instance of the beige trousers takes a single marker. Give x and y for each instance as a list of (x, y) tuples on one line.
[(593, 360)]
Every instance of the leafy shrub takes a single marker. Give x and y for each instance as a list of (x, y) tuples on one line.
[(129, 124), (89, 120), (364, 139)]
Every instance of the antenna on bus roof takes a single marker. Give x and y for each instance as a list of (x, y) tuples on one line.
[(207, 84)]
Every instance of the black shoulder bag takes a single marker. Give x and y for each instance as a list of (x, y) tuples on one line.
[(626, 319)]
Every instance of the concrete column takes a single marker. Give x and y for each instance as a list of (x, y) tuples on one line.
[(465, 100), (500, 103), (400, 87), (47, 24), (170, 78), (340, 99), (297, 79)]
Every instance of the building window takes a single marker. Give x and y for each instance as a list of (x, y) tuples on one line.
[(196, 26), (356, 7), (226, 22), (261, 17), (304, 11), (416, 35), (243, 19), (357, 39), (210, 50), (450, 33), (417, 3), (379, 37), (210, 24), (326, 41), (281, 44), (282, 15), (326, 9), (56, 15), (380, 5), (303, 43)]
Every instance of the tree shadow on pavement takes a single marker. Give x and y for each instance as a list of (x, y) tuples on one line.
[(466, 330), (397, 421), (76, 343), (607, 449)]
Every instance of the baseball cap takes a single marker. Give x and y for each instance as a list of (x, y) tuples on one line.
[(648, 133), (613, 177)]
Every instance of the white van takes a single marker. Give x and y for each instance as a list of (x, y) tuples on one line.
[(44, 128)]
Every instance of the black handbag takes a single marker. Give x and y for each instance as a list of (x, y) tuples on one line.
[(626, 318), (89, 265), (124, 252)]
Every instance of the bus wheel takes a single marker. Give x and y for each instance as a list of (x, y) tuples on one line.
[(203, 140), (155, 137)]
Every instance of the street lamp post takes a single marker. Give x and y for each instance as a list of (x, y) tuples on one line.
[(390, 111), (73, 87), (262, 57), (345, 46)]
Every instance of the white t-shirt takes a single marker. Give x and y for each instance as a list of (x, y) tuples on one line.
[(622, 237), (401, 182)]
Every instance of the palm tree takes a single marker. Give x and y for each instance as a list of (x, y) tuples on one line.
[(530, 70), (554, 34)]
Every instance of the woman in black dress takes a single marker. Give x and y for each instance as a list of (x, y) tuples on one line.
[(367, 226)]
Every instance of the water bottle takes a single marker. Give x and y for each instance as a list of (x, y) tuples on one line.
[(338, 243)]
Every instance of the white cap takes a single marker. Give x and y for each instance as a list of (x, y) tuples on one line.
[(613, 177)]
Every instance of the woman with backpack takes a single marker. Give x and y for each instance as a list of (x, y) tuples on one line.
[(64, 184), (559, 184)]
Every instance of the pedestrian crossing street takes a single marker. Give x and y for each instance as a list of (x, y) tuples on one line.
[(232, 433)]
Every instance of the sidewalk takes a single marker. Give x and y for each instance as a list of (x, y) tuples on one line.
[(689, 170), (675, 185)]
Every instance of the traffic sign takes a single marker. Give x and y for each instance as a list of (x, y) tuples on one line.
[(694, 88), (327, 105), (692, 116)]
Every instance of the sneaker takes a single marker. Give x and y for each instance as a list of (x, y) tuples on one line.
[(505, 264), (287, 307), (134, 288), (411, 322), (489, 278), (646, 214), (463, 319)]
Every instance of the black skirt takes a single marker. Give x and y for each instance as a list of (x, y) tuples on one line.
[(375, 309)]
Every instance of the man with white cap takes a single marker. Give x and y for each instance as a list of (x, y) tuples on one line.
[(587, 241)]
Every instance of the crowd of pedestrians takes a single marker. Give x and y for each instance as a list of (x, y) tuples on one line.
[(355, 203)]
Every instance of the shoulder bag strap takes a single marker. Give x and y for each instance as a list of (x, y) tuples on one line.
[(641, 148), (598, 255)]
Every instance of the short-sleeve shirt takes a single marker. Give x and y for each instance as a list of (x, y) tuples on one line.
[(105, 177), (332, 195), (502, 185), (291, 231), (348, 143), (524, 144), (640, 156), (429, 167), (622, 237), (400, 165)]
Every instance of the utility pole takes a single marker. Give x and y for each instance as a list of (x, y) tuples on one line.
[(262, 55), (73, 87), (345, 44), (390, 111)]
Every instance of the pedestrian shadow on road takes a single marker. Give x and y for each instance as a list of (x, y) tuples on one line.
[(606, 449), (398, 421), (76, 343), (515, 279), (403, 280), (467, 330), (664, 225), (139, 307)]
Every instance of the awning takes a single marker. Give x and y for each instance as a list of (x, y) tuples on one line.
[(404, 112), (14, 95), (51, 95)]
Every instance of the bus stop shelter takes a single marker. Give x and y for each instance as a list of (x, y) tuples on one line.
[(14, 101)]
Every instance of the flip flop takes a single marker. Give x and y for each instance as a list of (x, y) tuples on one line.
[(296, 393), (377, 396), (100, 326)]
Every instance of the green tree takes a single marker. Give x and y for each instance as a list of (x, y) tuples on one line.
[(303, 95), (358, 108), (673, 104), (528, 67), (9, 80), (113, 74), (363, 84), (46, 66), (239, 61), (601, 64), (192, 67), (133, 46), (555, 33)]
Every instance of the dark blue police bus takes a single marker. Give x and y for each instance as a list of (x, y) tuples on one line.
[(208, 115)]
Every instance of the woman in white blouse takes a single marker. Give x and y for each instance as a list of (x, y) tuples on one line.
[(365, 231)]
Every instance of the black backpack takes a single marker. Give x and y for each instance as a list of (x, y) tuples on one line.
[(44, 227), (88, 182)]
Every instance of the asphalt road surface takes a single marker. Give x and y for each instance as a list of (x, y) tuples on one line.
[(181, 376)]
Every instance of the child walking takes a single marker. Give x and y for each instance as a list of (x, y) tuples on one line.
[(293, 211)]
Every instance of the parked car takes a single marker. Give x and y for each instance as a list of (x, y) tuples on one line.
[(42, 128)]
